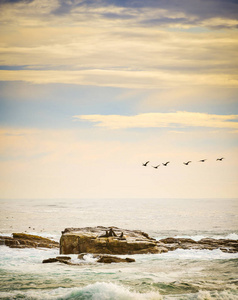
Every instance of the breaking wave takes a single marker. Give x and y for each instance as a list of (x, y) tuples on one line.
[(96, 291), (110, 291)]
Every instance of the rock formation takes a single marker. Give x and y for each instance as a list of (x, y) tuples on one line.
[(22, 240), (113, 240), (225, 245), (100, 258), (104, 240)]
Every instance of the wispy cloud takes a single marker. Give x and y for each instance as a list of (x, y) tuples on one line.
[(126, 44), (172, 120), (122, 79)]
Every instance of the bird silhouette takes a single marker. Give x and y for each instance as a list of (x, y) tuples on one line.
[(202, 160), (220, 158), (165, 164), (145, 164), (155, 166), (186, 163)]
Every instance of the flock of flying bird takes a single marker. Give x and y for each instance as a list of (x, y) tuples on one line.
[(185, 163)]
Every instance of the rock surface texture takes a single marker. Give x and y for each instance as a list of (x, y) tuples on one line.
[(107, 240), (113, 240), (22, 240)]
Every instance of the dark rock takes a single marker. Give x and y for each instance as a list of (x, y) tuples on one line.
[(63, 257), (229, 246), (106, 259), (49, 260)]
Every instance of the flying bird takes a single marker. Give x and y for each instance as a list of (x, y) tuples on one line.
[(186, 163), (202, 160), (155, 166), (220, 158), (165, 164), (145, 164)]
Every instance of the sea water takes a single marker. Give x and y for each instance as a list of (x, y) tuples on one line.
[(179, 274)]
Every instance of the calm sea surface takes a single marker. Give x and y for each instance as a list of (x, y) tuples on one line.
[(180, 274)]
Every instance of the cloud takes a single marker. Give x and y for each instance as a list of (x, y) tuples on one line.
[(175, 13), (121, 78), (120, 42), (199, 10), (161, 120), (15, 1)]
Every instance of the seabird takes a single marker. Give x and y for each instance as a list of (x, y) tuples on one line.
[(186, 163), (165, 164), (202, 160), (145, 164), (155, 166), (220, 158)]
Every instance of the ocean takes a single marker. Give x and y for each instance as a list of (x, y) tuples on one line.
[(179, 274)]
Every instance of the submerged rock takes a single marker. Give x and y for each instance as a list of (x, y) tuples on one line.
[(23, 240), (100, 258), (62, 259), (229, 246), (49, 260), (107, 259), (107, 240)]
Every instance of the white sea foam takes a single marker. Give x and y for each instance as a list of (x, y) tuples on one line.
[(96, 291), (232, 236), (223, 295), (26, 259), (6, 234), (110, 291), (51, 236), (187, 254), (200, 254)]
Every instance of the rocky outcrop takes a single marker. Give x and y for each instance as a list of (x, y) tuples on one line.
[(113, 240), (22, 240), (107, 240), (107, 259), (63, 259), (229, 246), (100, 258)]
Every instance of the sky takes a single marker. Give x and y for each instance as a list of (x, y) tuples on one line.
[(91, 90)]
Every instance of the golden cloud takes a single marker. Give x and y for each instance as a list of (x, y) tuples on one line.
[(123, 79), (177, 119)]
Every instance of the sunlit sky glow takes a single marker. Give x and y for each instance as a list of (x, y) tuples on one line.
[(90, 90)]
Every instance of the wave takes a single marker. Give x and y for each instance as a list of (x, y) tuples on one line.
[(96, 291), (224, 295), (190, 254), (110, 291)]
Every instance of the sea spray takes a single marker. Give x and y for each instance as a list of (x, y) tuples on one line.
[(109, 291)]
